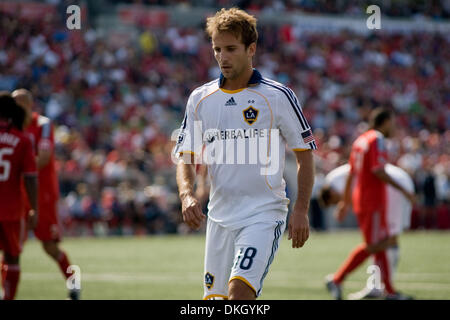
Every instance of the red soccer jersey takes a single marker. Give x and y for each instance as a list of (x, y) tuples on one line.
[(41, 134), (16, 159), (368, 154)]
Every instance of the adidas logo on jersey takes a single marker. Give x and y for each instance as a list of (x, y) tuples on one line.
[(230, 102)]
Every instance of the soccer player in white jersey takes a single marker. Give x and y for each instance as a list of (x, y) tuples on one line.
[(398, 213), (248, 205)]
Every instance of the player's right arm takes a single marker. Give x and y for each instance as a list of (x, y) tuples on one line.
[(190, 206), (185, 150), (202, 190), (345, 204), (31, 187), (31, 183)]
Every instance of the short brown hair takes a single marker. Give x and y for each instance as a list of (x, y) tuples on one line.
[(236, 21)]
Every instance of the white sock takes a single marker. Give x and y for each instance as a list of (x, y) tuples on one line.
[(393, 255)]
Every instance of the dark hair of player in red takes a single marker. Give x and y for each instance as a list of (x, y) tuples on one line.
[(10, 111), (378, 116)]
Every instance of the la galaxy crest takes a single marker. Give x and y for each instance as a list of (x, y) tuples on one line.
[(209, 280), (250, 115)]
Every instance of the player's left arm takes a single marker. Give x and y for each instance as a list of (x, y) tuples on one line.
[(378, 159), (43, 157), (381, 174), (294, 128), (298, 220)]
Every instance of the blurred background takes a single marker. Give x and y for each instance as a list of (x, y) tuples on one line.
[(116, 90)]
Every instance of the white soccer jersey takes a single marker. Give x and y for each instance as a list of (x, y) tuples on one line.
[(398, 207), (241, 130), (337, 177)]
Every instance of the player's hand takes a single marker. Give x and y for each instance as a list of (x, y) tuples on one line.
[(192, 212), (32, 220), (298, 228), (341, 211)]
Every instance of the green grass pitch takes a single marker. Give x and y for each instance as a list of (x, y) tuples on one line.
[(171, 267)]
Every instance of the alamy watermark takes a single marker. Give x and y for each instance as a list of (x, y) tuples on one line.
[(374, 21), (73, 282), (374, 280), (73, 22)]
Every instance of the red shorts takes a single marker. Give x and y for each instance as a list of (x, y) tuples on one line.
[(373, 225), (12, 236), (48, 228)]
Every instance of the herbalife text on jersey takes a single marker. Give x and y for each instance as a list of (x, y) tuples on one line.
[(233, 146)]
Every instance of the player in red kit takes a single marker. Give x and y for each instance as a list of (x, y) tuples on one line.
[(367, 160), (47, 231), (16, 163)]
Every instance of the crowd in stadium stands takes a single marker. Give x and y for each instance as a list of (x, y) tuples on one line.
[(114, 108), (436, 9)]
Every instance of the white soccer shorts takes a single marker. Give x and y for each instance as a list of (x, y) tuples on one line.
[(245, 253)]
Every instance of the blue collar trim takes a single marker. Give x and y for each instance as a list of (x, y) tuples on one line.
[(254, 79)]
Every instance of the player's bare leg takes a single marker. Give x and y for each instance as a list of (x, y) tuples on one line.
[(10, 270), (355, 259), (51, 248), (381, 245), (392, 256), (60, 257), (239, 290)]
